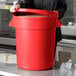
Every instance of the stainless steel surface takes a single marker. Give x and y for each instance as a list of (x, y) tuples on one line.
[(2, 4), (7, 41), (2, 0), (67, 46), (51, 72), (69, 30)]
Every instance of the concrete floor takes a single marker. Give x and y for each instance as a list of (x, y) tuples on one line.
[(12, 68)]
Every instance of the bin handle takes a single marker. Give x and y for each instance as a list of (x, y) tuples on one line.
[(58, 23), (11, 24)]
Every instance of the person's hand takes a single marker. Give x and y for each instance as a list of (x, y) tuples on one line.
[(12, 9)]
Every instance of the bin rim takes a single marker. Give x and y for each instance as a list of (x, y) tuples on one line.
[(48, 14), (41, 12), (29, 10)]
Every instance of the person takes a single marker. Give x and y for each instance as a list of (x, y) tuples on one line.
[(52, 5)]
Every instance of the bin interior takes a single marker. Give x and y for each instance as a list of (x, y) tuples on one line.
[(29, 14)]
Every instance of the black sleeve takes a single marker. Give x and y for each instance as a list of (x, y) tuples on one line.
[(61, 8), (25, 3)]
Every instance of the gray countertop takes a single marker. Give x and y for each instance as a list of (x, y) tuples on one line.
[(14, 70)]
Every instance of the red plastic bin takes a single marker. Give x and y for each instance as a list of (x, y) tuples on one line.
[(35, 38)]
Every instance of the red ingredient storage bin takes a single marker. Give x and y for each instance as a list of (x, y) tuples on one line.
[(35, 38)]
